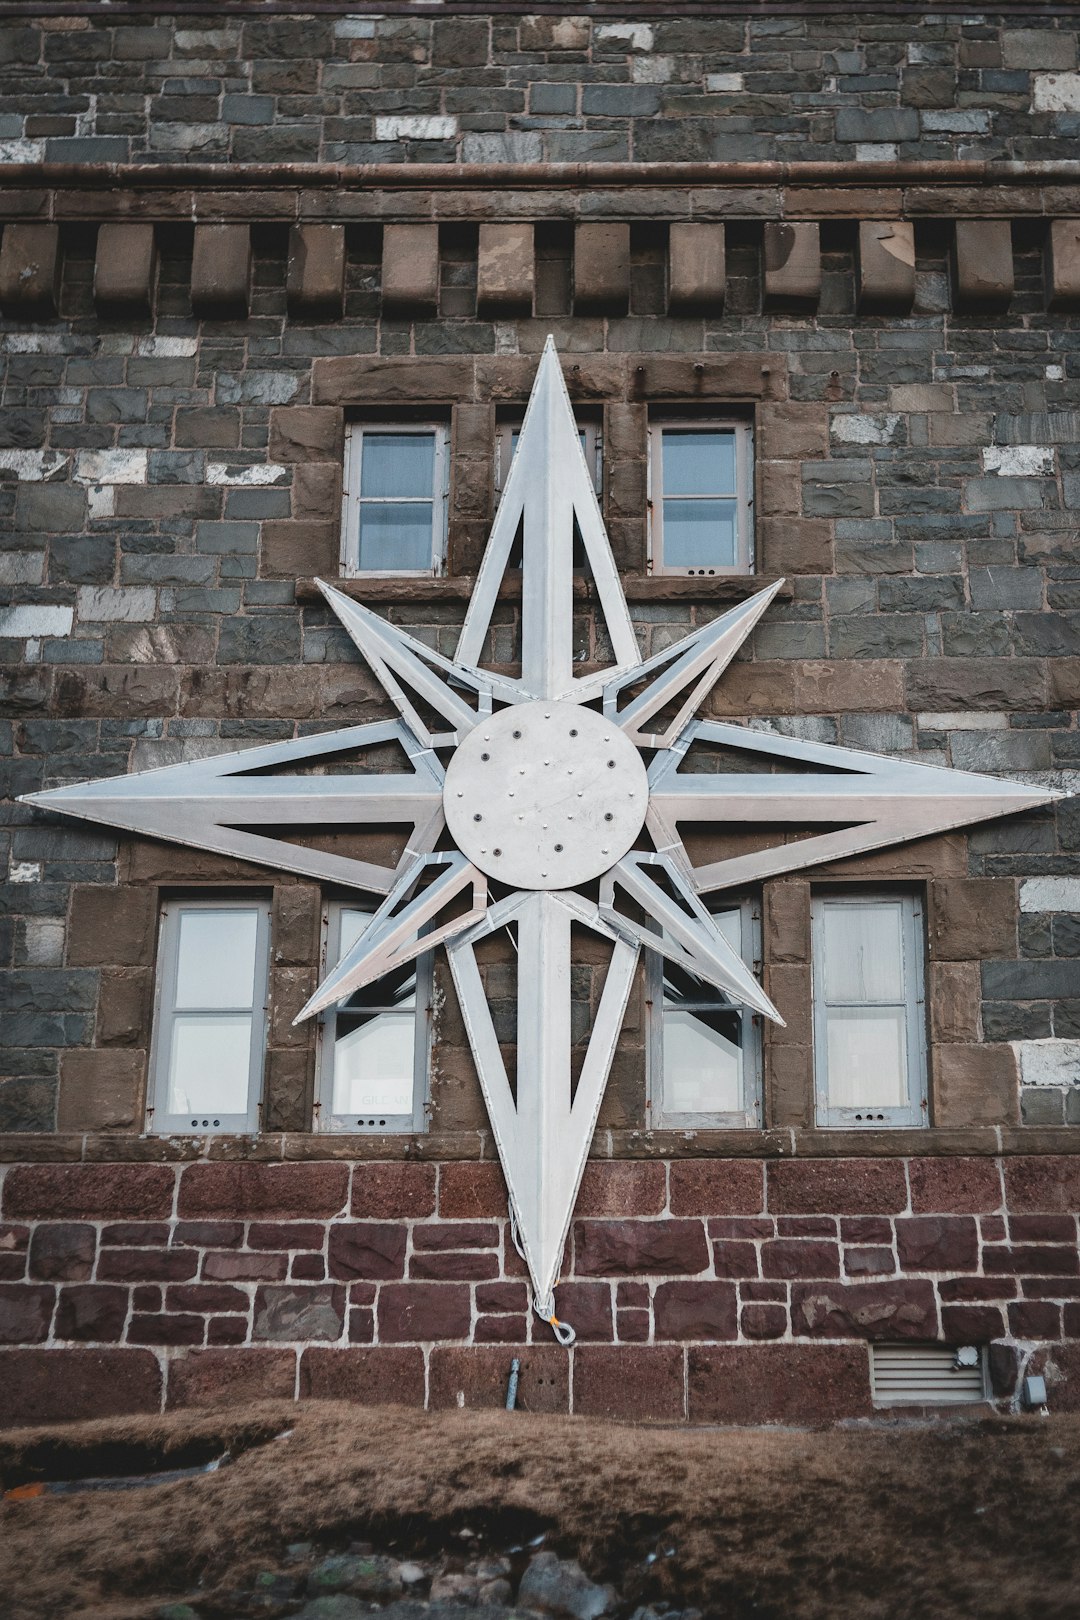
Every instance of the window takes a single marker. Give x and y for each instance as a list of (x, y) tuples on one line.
[(869, 1017), (394, 511), (373, 1046), (592, 444), (704, 1051), (210, 1016), (701, 498)]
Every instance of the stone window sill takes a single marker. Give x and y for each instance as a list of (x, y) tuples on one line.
[(637, 588)]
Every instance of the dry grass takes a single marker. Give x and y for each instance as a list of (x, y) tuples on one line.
[(972, 1520)]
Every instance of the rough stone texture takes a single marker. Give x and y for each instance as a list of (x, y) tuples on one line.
[(410, 268), (505, 272), (983, 265), (697, 268), (315, 273), (30, 269), (1063, 264), (125, 267), (886, 267), (221, 269), (601, 268), (792, 257)]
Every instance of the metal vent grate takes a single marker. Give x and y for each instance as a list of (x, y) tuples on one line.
[(923, 1375)]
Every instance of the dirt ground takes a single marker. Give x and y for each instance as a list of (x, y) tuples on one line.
[(977, 1519)]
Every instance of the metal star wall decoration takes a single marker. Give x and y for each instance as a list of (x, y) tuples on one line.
[(539, 783)]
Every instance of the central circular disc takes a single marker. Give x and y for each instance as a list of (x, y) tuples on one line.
[(545, 795)]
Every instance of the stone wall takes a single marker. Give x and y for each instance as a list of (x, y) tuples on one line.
[(537, 89), (739, 1291)]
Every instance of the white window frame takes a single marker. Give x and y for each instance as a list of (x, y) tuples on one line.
[(749, 1116), (744, 493), (159, 1121), (355, 433), (325, 1118), (915, 1112), (593, 432)]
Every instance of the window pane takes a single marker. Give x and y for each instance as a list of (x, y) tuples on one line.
[(209, 1064), (867, 1057), (699, 463), (864, 952), (397, 464), (373, 1064), (396, 537), (702, 1062), (700, 534), (352, 926), (215, 963)]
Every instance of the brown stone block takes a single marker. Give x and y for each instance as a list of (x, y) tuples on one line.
[(221, 269), (696, 1310), (777, 1383), (837, 1187), (219, 1377), (114, 926), (787, 920), (471, 1191), (62, 1251), (631, 1248), (792, 266), (716, 1187), (63, 1386), (25, 1313), (790, 1257), (367, 1249), (157, 501), (906, 1309), (369, 1377), (955, 1001), (423, 1310), (410, 268), (116, 691), (602, 268), (207, 427), (123, 1011), (946, 684), (781, 489), (89, 1191), (793, 430), (973, 918), (285, 1191), (125, 267), (624, 1188), (296, 923), (720, 377), (394, 1191), (644, 1383), (92, 1312), (100, 1089), (697, 268), (938, 1243), (857, 686), (391, 380), (975, 1085), (306, 433), (289, 1085), (1049, 1182), (476, 1378), (1062, 264), (885, 272), (316, 490), (30, 269), (288, 550), (789, 989), (982, 265), (505, 269), (789, 1085), (315, 273)]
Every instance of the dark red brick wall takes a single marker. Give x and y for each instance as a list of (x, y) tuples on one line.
[(707, 1290)]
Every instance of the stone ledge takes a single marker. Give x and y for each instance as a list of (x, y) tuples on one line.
[(477, 1146), (636, 587)]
